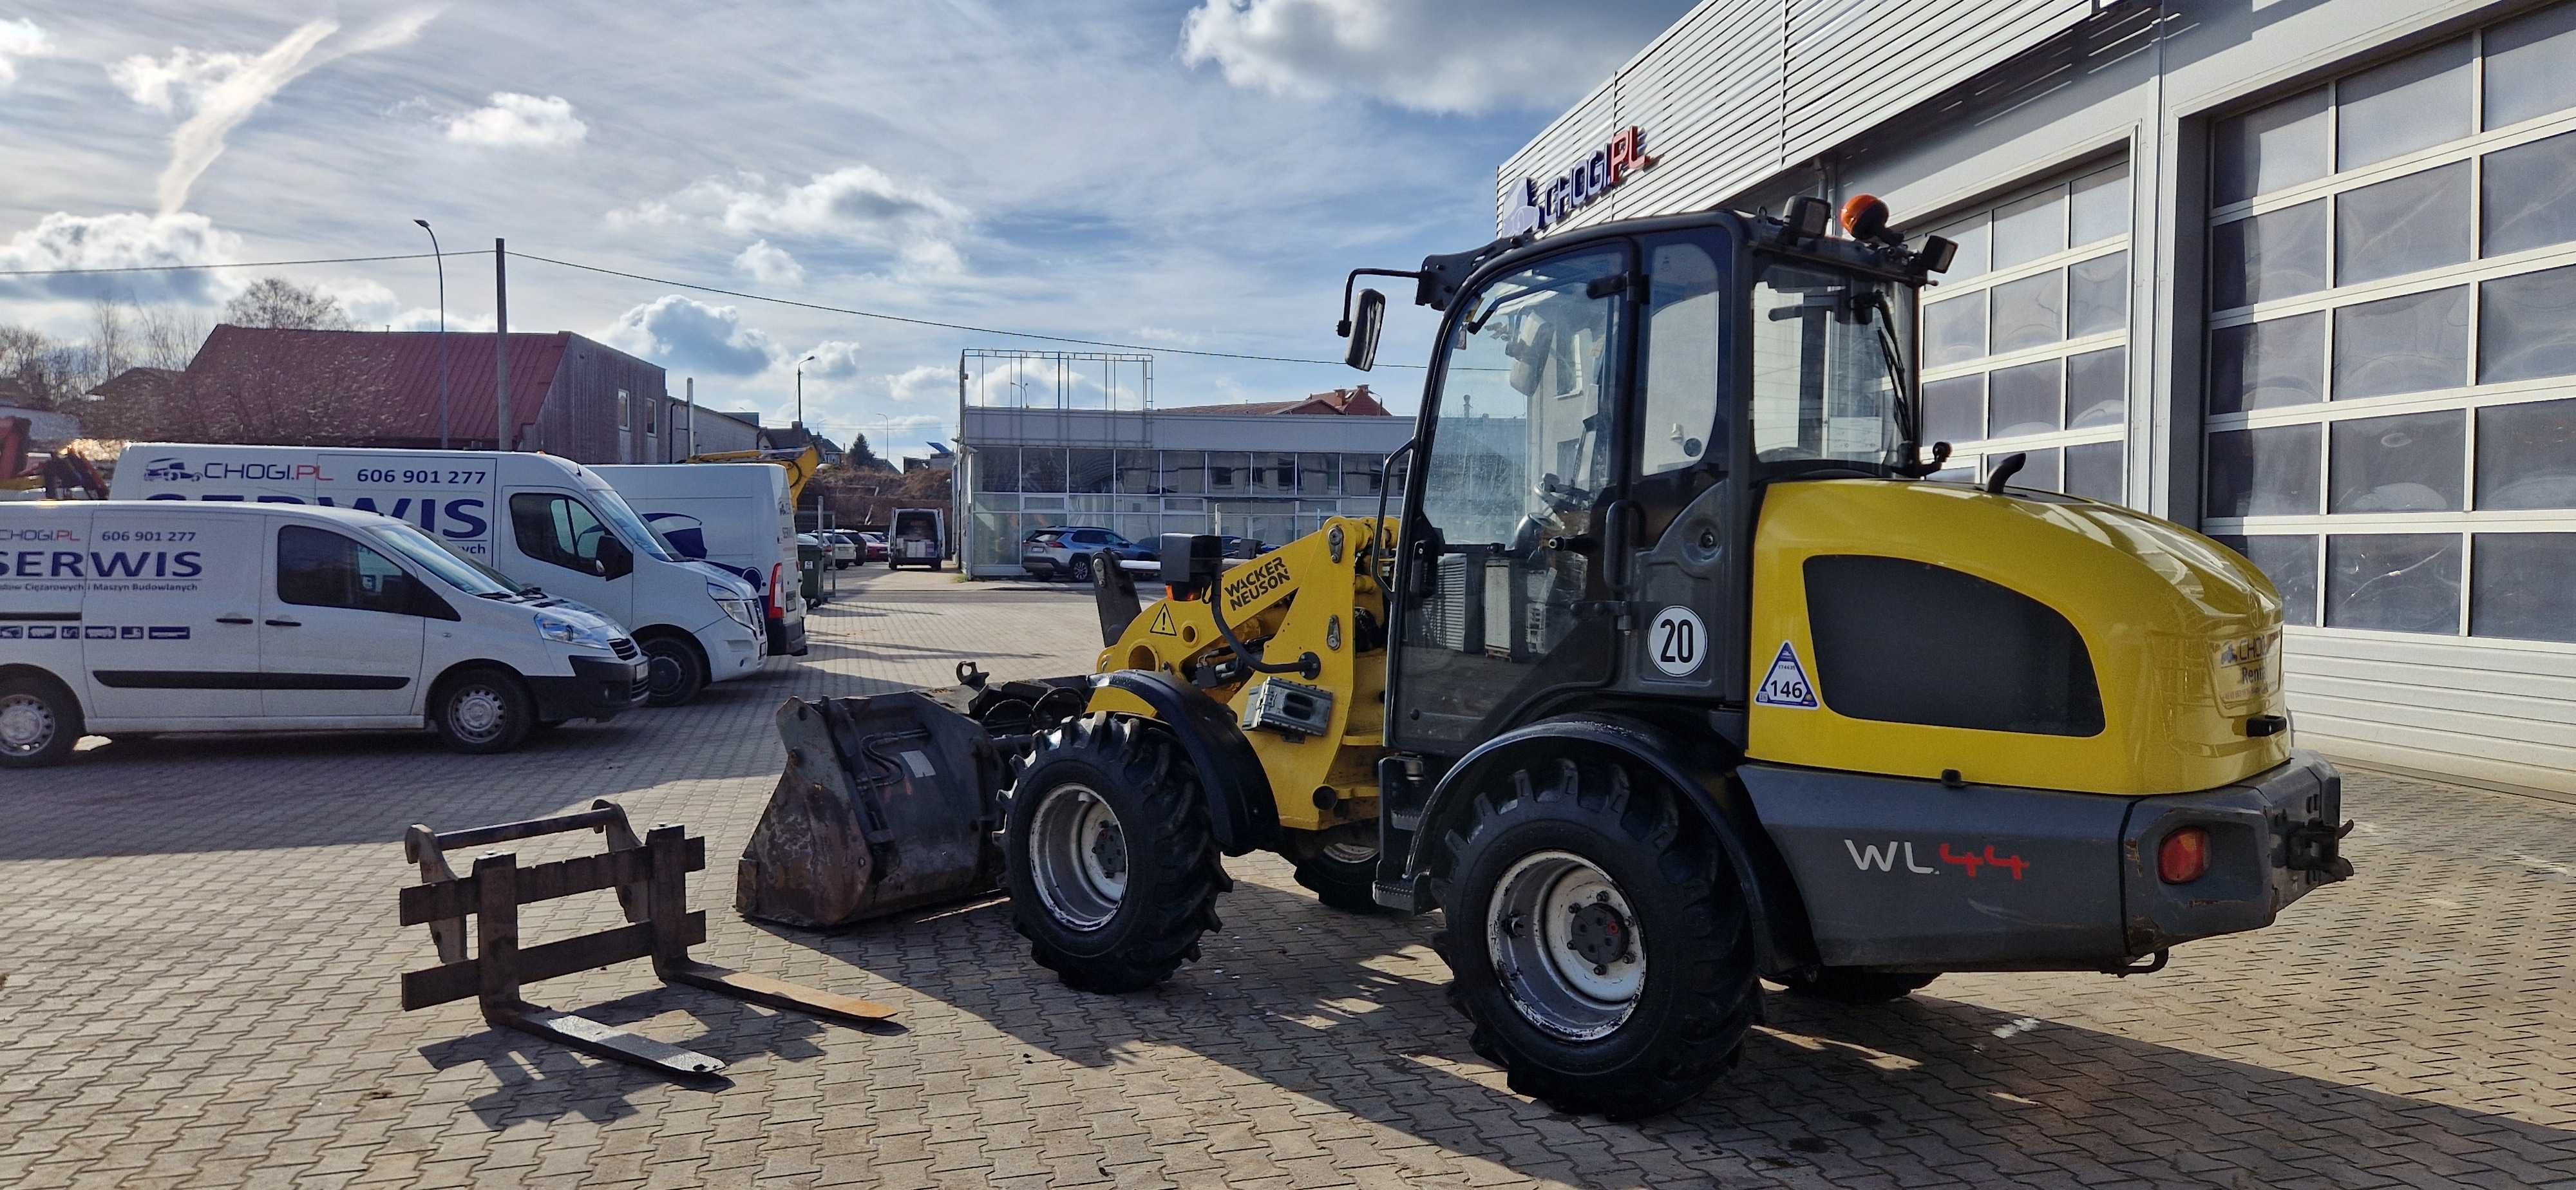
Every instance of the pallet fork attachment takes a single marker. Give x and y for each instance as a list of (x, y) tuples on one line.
[(650, 877)]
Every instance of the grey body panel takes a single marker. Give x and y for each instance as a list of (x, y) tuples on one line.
[(1906, 874)]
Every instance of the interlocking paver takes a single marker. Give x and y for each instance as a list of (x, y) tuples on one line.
[(201, 991)]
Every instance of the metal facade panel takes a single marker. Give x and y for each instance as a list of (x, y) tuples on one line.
[(1737, 90), (2503, 715)]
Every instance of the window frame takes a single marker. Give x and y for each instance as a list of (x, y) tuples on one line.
[(408, 604)]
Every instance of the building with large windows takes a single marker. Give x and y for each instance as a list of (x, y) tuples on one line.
[(1143, 473), (2302, 275)]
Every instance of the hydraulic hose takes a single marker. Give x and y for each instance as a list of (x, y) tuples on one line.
[(1307, 665)]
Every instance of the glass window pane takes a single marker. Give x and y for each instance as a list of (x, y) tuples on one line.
[(2290, 561), (2530, 194), (2527, 456), (1954, 410), (1228, 472), (2097, 295), (2266, 365), (2520, 588), (1090, 470), (1970, 234), (1274, 474), (2420, 221), (1363, 474), (2527, 72), (1318, 475), (2029, 312), (2412, 103), (2097, 388), (1041, 469), (1683, 316), (2527, 326), (2394, 582), (2267, 472), (2024, 400), (2277, 254), (2270, 148), (2101, 208), (1184, 473), (1954, 331), (2402, 345), (2094, 471), (2031, 228), (2038, 469), (2410, 463), (1137, 472), (997, 468)]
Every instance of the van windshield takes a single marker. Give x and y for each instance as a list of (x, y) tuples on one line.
[(612, 508), (434, 558)]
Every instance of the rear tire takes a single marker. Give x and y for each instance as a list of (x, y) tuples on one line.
[(483, 710), (1340, 865), (1600, 948), (40, 723), (1850, 985), (1113, 869), (677, 673)]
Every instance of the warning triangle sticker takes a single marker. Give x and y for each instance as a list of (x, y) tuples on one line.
[(1162, 625), (1786, 685)]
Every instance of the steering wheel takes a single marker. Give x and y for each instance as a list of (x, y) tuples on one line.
[(1560, 495)]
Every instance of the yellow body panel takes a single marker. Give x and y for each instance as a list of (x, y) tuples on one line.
[(1305, 597), (2184, 637)]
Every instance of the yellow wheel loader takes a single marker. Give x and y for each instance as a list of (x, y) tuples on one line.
[(1674, 670)]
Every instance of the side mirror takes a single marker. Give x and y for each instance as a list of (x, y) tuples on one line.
[(1362, 330), (615, 560)]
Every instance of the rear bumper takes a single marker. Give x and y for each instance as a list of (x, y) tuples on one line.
[(1911, 875), (598, 688), (785, 639)]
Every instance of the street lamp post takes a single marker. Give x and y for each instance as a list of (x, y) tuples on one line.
[(800, 390), (442, 330)]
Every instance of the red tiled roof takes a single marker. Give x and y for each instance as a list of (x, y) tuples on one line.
[(393, 372)]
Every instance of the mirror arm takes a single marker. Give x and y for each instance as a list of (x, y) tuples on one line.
[(1351, 282)]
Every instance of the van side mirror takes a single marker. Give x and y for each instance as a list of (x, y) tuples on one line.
[(615, 560), (1362, 330)]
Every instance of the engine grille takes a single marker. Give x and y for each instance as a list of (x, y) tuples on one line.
[(624, 648)]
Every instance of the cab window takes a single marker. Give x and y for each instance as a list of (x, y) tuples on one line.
[(319, 568), (558, 529), (1684, 312)]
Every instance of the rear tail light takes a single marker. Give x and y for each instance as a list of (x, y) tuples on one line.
[(2184, 855), (777, 573)]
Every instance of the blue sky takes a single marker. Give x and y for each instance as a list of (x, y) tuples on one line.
[(1189, 173)]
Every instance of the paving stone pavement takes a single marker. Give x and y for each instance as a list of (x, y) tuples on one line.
[(201, 966)]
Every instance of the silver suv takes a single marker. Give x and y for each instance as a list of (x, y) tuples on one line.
[(1066, 551)]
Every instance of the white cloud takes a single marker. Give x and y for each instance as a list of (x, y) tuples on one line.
[(63, 240), (834, 359), (689, 336), (857, 204), (21, 38), (513, 120), (1460, 56), (220, 90), (769, 265), (369, 303), (926, 382)]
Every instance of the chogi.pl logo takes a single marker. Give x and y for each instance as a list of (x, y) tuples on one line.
[(8, 534), (169, 471), (267, 471)]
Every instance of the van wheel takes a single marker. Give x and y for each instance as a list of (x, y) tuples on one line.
[(484, 710), (677, 672), (39, 723)]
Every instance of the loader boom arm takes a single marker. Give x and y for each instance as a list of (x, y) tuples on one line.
[(801, 464)]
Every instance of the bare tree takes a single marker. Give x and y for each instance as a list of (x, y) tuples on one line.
[(168, 336), (280, 304)]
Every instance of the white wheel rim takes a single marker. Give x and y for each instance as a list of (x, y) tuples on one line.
[(1078, 857), (1565, 945), (1350, 853), (26, 725), (479, 713)]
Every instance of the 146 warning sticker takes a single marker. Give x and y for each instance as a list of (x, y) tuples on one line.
[(1786, 684)]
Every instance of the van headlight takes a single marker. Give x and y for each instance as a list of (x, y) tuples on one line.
[(577, 633), (739, 608)]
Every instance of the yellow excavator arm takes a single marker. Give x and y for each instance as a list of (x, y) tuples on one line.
[(801, 464)]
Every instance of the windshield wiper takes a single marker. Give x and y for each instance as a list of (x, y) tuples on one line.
[(1908, 411)]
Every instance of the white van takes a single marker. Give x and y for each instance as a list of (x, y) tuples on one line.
[(126, 616), (546, 522), (917, 537), (733, 515)]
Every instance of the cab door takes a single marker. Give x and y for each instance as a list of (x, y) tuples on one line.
[(1517, 501), (563, 547), (340, 628)]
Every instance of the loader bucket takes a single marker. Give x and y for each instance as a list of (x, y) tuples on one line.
[(888, 803)]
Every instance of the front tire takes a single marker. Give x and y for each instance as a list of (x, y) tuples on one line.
[(1112, 867), (1080, 571), (39, 723), (677, 673), (1600, 948), (483, 710)]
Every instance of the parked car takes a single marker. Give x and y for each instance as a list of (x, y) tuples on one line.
[(872, 547), (1066, 551), (845, 548)]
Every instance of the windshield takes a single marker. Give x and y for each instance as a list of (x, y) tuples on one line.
[(1826, 383), (426, 553), (612, 509)]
